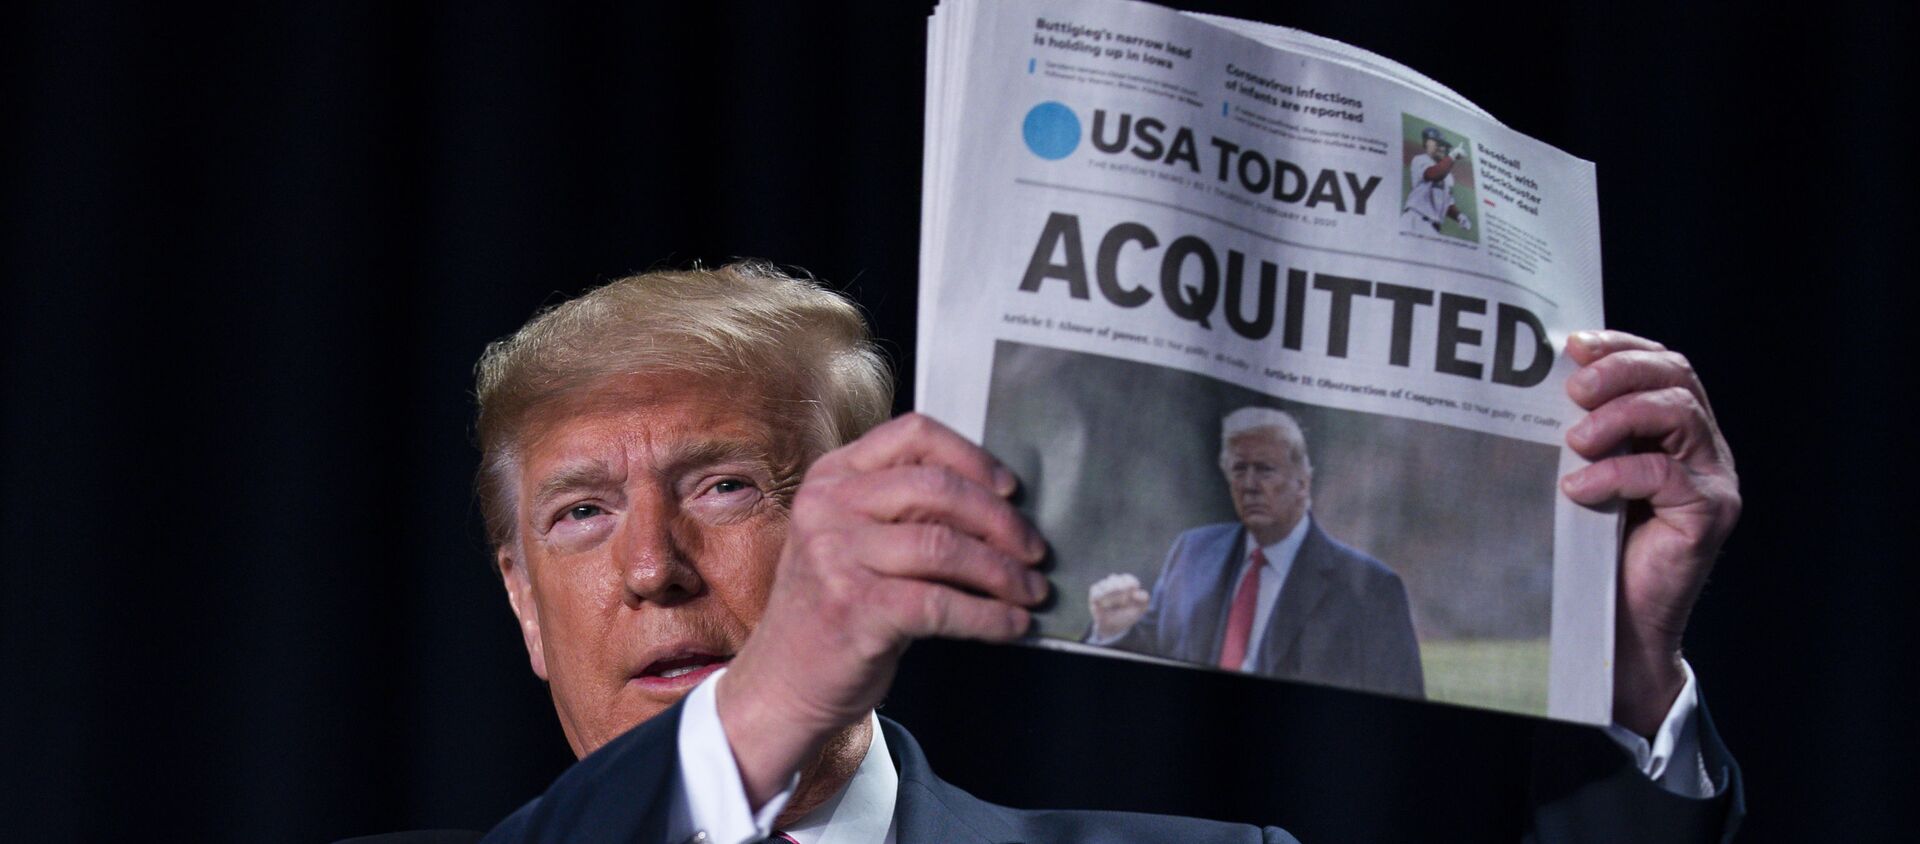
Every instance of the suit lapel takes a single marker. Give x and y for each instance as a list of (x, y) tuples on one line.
[(1301, 593)]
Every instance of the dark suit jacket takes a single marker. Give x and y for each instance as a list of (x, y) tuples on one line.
[(1584, 789), (1342, 617), (619, 793)]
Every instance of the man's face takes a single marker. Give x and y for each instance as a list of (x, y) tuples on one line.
[(1269, 489), (1435, 148), (651, 513)]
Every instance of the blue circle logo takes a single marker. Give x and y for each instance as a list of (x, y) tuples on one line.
[(1051, 131)]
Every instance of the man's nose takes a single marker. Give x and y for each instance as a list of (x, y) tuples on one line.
[(655, 563)]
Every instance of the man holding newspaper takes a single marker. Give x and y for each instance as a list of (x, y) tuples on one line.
[(640, 516), (717, 551)]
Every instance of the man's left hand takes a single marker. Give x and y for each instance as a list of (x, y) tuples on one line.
[(1656, 447)]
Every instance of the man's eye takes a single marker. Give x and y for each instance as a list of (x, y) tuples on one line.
[(729, 486), (583, 511)]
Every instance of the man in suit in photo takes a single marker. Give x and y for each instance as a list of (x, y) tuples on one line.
[(717, 548), (1271, 593)]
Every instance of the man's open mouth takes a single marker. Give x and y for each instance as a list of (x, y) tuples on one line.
[(685, 665)]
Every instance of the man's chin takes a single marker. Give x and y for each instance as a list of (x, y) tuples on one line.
[(629, 710)]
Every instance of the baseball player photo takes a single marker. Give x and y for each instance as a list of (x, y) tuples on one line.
[(1439, 187)]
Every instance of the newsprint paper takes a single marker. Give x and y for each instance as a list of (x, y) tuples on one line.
[(1269, 326)]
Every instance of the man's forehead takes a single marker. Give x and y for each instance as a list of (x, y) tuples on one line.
[(1258, 440), (661, 417)]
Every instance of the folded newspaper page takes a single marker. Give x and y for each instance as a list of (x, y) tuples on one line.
[(1269, 326)]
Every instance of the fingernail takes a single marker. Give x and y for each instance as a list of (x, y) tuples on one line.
[(1004, 482), (1036, 585), (1022, 621), (1587, 340), (1570, 484)]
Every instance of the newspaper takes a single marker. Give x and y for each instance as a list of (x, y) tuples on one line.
[(1269, 327)]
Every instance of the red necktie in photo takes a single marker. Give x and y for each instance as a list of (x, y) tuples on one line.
[(1240, 618)]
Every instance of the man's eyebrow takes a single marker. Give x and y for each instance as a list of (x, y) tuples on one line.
[(574, 477), (708, 452), (598, 476)]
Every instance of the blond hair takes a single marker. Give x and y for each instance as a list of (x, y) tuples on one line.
[(744, 319), (1282, 423)]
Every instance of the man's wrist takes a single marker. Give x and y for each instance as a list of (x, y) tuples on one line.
[(1645, 688), (768, 747), (1673, 756), (712, 798)]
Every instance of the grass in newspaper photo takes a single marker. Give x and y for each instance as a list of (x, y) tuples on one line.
[(1436, 186), (1397, 556)]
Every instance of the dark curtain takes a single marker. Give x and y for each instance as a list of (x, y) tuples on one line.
[(251, 253)]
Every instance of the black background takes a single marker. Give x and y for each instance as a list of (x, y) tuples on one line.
[(251, 252)]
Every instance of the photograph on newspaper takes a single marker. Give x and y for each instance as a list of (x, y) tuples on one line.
[(1389, 559), (1437, 196)]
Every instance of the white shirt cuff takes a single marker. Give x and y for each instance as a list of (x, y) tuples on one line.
[(708, 793), (1673, 759)]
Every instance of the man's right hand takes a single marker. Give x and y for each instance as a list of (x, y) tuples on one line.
[(902, 534), (1118, 602)]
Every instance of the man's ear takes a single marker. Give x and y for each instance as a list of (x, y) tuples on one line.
[(520, 594)]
